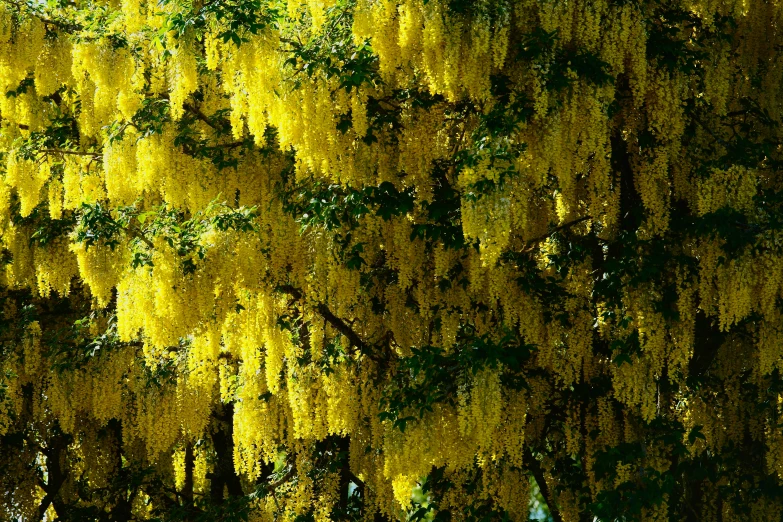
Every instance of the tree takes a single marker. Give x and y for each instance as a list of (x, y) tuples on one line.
[(391, 260)]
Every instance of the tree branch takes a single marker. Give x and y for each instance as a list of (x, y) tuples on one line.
[(224, 474), (532, 242), (538, 474), (338, 324), (195, 111), (342, 327), (187, 487), (44, 506), (57, 23), (138, 234), (72, 152), (282, 480), (55, 474), (356, 480), (709, 131)]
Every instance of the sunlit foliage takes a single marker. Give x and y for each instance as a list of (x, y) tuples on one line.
[(381, 260)]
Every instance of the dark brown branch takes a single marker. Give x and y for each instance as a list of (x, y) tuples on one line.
[(48, 21), (44, 505), (187, 487), (55, 474), (123, 508), (532, 242), (282, 480), (343, 448), (538, 474), (342, 327), (138, 234), (232, 145), (709, 131), (224, 474), (338, 324), (72, 152), (356, 480), (708, 340), (195, 111)]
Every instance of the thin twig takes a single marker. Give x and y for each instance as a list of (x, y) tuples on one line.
[(282, 480), (72, 152), (530, 243), (136, 232), (232, 145), (203, 117), (709, 131), (28, 9)]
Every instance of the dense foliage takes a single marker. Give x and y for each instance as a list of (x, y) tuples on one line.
[(382, 260)]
